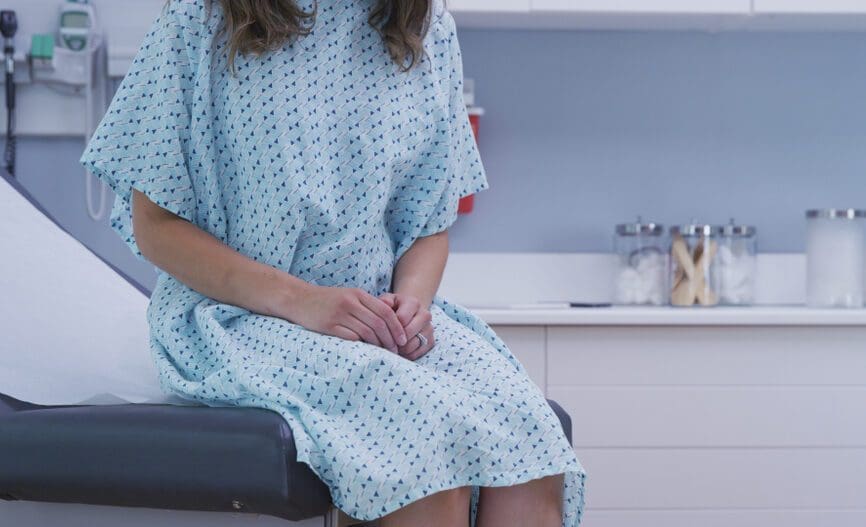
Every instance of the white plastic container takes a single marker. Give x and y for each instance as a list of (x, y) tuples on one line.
[(835, 258)]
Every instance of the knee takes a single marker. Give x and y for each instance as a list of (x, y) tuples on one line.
[(456, 497), (550, 489)]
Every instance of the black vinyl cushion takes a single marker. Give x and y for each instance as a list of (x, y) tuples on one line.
[(160, 456)]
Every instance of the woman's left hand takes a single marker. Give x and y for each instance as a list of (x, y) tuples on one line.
[(416, 320)]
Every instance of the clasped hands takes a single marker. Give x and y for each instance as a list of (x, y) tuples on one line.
[(391, 320)]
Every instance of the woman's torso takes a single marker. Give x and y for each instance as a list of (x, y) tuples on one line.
[(317, 151)]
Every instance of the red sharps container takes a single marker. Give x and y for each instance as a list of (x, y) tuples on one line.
[(475, 113)]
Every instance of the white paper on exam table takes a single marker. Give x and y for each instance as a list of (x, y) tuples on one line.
[(72, 331)]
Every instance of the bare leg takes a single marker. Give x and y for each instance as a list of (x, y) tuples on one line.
[(448, 508), (537, 502)]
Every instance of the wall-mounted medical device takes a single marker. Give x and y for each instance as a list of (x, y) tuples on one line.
[(73, 61), (8, 27), (69, 58), (77, 24)]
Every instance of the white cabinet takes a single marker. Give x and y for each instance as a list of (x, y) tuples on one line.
[(488, 6), (710, 426), (713, 15), (645, 6), (604, 6), (810, 6)]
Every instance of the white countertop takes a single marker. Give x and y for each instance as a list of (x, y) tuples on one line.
[(511, 288), (672, 316)]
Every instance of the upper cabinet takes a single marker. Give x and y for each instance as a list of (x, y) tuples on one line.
[(742, 7), (599, 14), (713, 15), (486, 6), (811, 6), (126, 21)]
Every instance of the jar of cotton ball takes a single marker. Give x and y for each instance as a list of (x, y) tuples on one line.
[(641, 268), (736, 264)]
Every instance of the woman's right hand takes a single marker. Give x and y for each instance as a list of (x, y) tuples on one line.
[(352, 314), (206, 264)]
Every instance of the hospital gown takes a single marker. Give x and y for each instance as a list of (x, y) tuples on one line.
[(323, 160)]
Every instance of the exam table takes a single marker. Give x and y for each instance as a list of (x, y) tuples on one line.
[(82, 417), (161, 456)]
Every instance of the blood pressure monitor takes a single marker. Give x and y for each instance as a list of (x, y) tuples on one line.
[(77, 23)]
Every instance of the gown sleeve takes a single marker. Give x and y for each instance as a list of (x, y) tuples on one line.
[(461, 163), (143, 140)]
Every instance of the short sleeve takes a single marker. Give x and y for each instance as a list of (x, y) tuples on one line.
[(143, 140), (462, 161)]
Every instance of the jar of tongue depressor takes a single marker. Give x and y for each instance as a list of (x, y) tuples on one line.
[(693, 252)]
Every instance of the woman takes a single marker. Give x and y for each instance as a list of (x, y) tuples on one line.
[(292, 169)]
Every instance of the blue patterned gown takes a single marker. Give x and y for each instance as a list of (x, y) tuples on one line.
[(322, 159)]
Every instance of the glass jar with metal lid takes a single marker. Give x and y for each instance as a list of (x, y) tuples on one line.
[(694, 281), (835, 257), (641, 274), (737, 264)]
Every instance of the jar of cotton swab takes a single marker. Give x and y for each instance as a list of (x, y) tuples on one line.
[(694, 280), (640, 276), (736, 264)]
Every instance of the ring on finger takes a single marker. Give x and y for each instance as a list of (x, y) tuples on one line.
[(422, 339)]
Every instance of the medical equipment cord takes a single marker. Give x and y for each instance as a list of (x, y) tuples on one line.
[(11, 140), (95, 69)]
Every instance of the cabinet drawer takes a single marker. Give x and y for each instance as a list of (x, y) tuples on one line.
[(800, 479), (811, 6), (706, 356), (742, 7), (724, 518), (486, 6), (701, 417)]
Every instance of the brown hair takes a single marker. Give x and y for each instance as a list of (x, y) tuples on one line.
[(260, 26)]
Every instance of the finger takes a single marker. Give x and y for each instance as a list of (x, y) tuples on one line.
[(363, 330), (420, 321), (422, 350), (380, 308), (389, 298), (376, 324), (419, 353), (411, 346), (345, 333), (407, 307)]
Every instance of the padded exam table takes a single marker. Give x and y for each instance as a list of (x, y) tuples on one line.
[(161, 456), (136, 453)]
